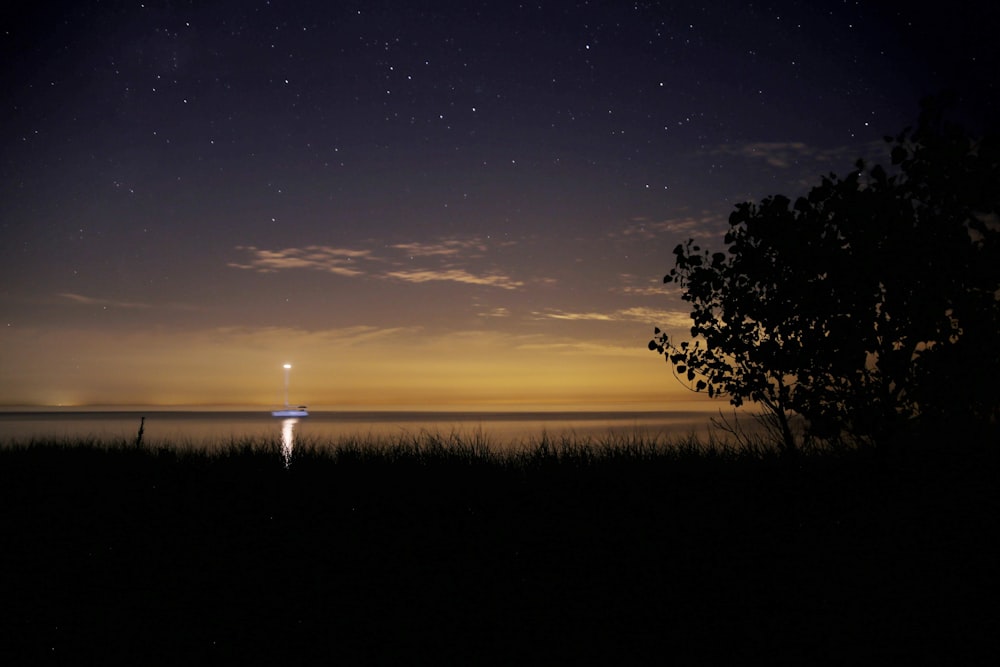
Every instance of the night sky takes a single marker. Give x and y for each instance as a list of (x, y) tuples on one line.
[(421, 204)]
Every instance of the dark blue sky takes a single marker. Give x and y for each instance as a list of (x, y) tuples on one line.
[(248, 180)]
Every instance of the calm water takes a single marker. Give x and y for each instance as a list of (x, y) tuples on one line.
[(215, 428)]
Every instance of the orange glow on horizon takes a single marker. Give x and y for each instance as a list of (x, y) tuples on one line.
[(470, 371)]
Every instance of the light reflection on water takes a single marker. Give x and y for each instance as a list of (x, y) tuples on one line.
[(288, 438)]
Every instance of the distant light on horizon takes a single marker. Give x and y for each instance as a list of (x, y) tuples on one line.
[(287, 366)]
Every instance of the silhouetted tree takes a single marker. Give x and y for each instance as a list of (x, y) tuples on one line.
[(868, 306)]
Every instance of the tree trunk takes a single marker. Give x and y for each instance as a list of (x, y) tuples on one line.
[(788, 439)]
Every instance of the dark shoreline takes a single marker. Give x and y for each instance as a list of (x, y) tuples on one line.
[(452, 555), (195, 428)]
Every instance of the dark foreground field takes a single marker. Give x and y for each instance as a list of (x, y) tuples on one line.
[(428, 553)]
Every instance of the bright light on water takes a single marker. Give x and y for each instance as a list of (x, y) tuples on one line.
[(288, 439)]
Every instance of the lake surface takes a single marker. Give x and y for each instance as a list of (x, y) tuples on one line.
[(220, 428)]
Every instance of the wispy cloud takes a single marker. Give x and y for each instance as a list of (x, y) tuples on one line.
[(786, 154), (779, 154), (657, 316), (446, 260), (705, 225), (265, 337), (339, 261), (92, 301), (455, 275), (563, 315), (634, 285), (652, 290), (446, 247), (587, 348), (652, 316), (495, 312), (776, 153)]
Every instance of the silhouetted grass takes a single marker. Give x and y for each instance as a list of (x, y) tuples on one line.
[(449, 549)]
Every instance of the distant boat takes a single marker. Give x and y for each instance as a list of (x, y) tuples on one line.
[(300, 411), (288, 411)]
